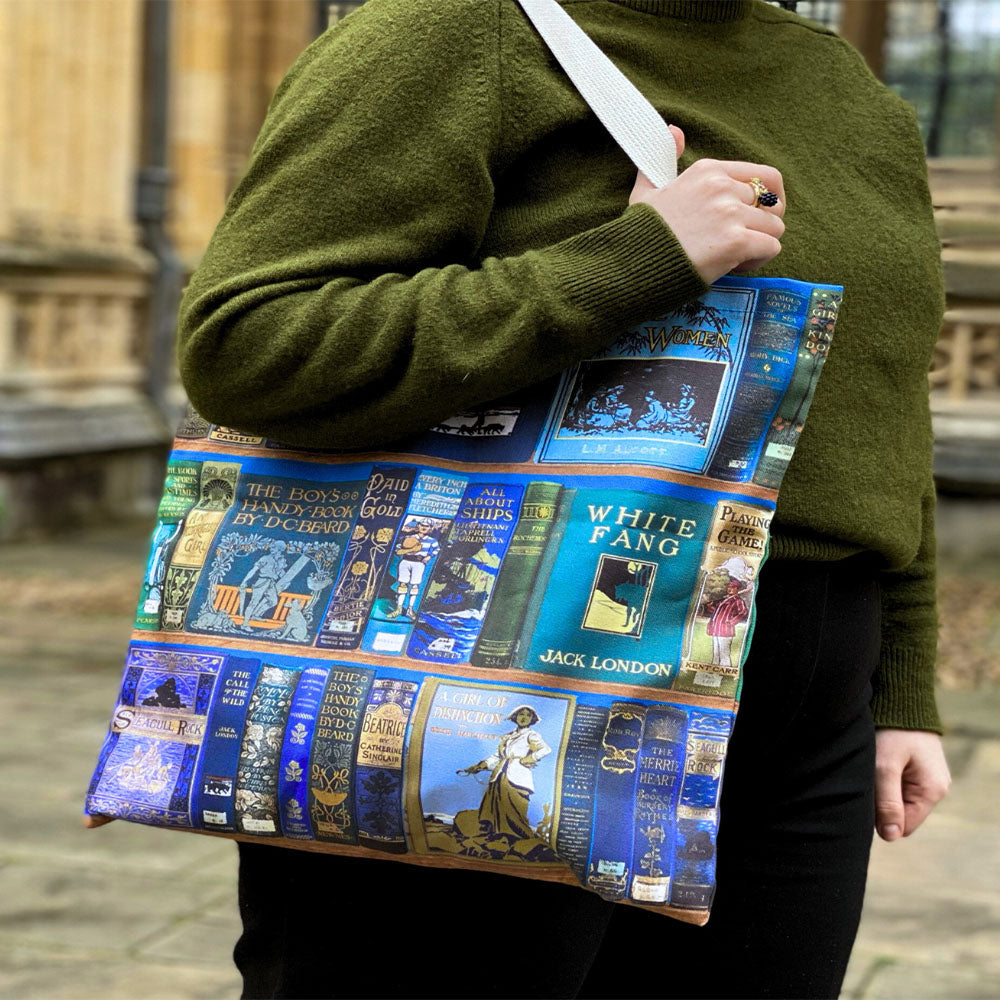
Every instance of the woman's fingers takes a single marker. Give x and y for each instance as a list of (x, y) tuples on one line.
[(763, 221), (93, 822), (678, 135), (770, 177)]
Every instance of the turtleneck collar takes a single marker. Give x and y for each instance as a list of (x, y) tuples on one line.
[(715, 11)]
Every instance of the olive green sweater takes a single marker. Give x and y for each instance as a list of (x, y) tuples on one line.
[(432, 218)]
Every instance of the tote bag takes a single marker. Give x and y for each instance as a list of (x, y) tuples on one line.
[(515, 644)]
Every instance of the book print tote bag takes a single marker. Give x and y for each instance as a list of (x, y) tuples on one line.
[(515, 645)]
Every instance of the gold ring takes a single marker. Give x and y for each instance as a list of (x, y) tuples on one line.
[(762, 198)]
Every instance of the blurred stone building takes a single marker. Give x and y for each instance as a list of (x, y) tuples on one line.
[(124, 124)]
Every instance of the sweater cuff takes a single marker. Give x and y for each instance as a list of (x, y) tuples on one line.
[(630, 269), (904, 690)]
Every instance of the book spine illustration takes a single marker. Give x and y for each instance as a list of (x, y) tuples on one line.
[(293, 775), (461, 588), (814, 345), (579, 787), (661, 768), (272, 565), (502, 625), (693, 882), (534, 605), (716, 626), (217, 491), (434, 503), (180, 493), (146, 767), (378, 779), (368, 552), (766, 372), (214, 806), (192, 425), (610, 868), (256, 797), (334, 746)]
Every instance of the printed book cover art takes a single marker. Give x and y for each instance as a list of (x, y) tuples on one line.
[(146, 767), (454, 606), (660, 394), (610, 868), (378, 781), (217, 491), (270, 571), (504, 431), (334, 751), (483, 776), (434, 502), (789, 419), (620, 587), (498, 642), (180, 493), (661, 768), (693, 877), (256, 798), (384, 503), (718, 621), (789, 339)]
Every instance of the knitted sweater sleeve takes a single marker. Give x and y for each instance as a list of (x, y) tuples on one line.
[(341, 304), (903, 684), (904, 680)]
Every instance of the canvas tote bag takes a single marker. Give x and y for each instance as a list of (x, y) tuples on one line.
[(515, 644)]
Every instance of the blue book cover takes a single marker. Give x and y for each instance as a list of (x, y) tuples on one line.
[(661, 768), (454, 606), (256, 799), (146, 767), (378, 778), (693, 881), (215, 779), (610, 867), (770, 360), (386, 496), (483, 767), (333, 753), (270, 571), (504, 431), (789, 418), (660, 394), (617, 597), (293, 772), (579, 786), (434, 503)]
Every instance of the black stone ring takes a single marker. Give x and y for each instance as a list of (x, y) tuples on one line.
[(762, 197)]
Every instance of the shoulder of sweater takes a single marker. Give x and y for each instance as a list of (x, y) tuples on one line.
[(840, 55), (412, 32), (410, 47)]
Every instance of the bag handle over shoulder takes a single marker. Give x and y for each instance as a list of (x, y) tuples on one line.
[(632, 121)]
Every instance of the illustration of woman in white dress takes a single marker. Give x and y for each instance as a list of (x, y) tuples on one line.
[(505, 802)]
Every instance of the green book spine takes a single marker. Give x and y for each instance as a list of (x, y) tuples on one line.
[(180, 493), (533, 605), (814, 345), (216, 493), (498, 640)]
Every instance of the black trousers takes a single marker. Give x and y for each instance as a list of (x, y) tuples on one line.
[(797, 814)]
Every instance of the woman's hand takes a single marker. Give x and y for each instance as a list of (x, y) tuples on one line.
[(911, 777), (710, 209)]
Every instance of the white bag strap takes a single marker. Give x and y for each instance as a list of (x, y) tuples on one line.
[(632, 121)]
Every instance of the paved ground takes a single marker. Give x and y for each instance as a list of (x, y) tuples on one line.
[(125, 911)]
